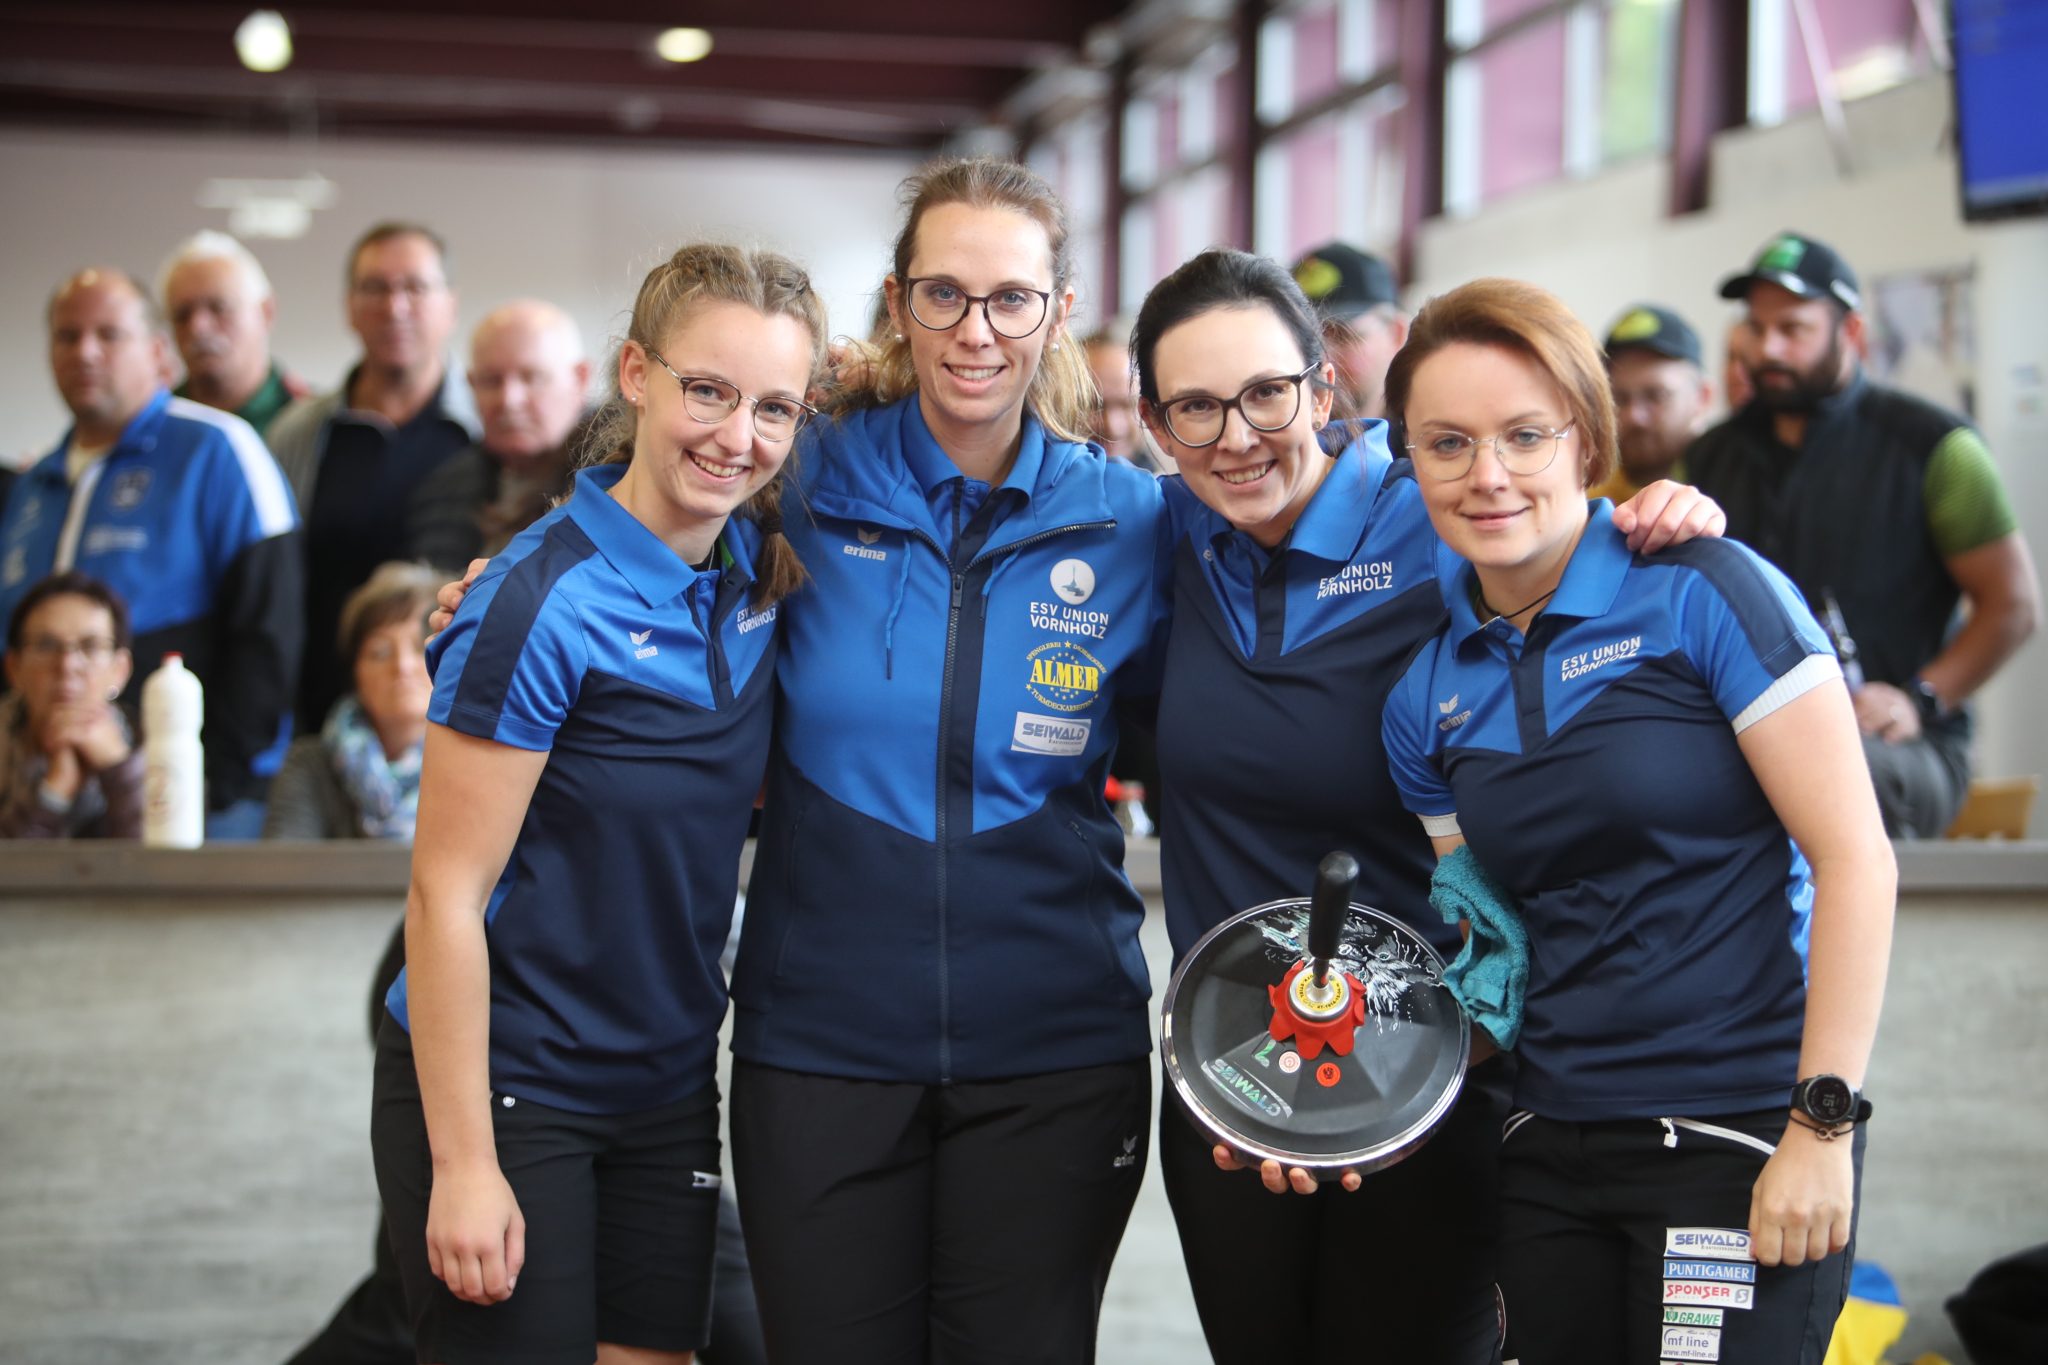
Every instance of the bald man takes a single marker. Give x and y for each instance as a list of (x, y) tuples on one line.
[(528, 371), (178, 508)]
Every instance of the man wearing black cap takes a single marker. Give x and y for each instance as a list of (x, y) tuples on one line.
[(1887, 512), (1661, 397), (1363, 324)]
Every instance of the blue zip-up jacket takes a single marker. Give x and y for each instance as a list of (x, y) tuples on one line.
[(938, 892), (190, 521)]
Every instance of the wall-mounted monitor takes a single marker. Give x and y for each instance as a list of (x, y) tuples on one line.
[(2001, 85)]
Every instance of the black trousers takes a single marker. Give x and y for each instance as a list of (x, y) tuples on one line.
[(1626, 1243), (1402, 1271), (967, 1224)]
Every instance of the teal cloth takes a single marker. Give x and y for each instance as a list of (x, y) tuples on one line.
[(1491, 972)]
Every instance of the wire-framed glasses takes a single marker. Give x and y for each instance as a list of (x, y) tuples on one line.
[(1528, 448), (711, 401)]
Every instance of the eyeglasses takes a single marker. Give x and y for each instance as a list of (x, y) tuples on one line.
[(1265, 404), (48, 649), (938, 306), (711, 401), (383, 291), (1526, 449)]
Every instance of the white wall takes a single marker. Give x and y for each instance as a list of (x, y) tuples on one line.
[(1605, 243), (577, 226)]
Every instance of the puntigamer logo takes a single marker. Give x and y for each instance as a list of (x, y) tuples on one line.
[(1064, 676)]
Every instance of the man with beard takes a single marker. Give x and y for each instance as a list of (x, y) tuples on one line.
[(1885, 510), (1363, 323), (1661, 397), (528, 372), (354, 456), (221, 310)]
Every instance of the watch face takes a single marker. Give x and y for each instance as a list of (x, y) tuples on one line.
[(1829, 1099)]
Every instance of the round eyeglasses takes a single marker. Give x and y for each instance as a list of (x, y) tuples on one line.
[(1526, 449), (1265, 404), (938, 306), (711, 401)]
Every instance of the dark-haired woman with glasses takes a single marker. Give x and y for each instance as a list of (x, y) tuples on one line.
[(68, 768), (1304, 575), (546, 1115), (940, 1093), (1657, 759)]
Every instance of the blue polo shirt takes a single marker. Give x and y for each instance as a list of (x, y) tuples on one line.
[(1594, 769), (1269, 713), (650, 685)]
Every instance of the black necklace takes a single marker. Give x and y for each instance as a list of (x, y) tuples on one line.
[(1510, 615)]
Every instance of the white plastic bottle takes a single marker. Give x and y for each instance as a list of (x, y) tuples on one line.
[(173, 764)]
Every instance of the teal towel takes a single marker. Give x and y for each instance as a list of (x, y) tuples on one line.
[(1491, 971)]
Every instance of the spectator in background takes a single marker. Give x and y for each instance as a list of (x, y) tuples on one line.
[(1363, 324), (221, 311), (528, 371), (1661, 398), (1735, 367), (355, 456), (68, 766), (179, 509), (1116, 426), (1886, 511), (359, 778)]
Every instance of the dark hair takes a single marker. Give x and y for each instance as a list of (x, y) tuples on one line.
[(70, 583), (397, 591), (1062, 393), (384, 232), (1533, 323), (1221, 278), (705, 272)]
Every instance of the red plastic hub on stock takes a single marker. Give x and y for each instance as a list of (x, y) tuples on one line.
[(1317, 1016)]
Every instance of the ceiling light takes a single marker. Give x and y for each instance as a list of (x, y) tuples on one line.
[(683, 45), (264, 41)]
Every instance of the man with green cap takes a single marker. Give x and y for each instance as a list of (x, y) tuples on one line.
[(1363, 323), (1661, 398)]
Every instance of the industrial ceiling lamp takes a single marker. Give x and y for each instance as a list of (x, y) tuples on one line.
[(264, 41)]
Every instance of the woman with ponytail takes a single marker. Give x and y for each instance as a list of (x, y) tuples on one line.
[(940, 1092), (546, 1119)]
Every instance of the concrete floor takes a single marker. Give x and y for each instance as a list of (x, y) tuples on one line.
[(185, 1175)]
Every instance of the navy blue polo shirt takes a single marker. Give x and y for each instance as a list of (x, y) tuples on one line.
[(650, 685), (1269, 713), (1595, 771)]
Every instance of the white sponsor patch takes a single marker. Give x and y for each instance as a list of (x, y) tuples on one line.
[(1734, 1272), (1073, 580), (1692, 1317), (1723, 1244), (1691, 1343), (102, 540), (1053, 735), (1709, 1293)]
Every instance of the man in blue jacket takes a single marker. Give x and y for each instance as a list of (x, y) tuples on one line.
[(181, 510)]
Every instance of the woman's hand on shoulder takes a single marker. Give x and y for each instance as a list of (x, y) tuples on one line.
[(1667, 513), (476, 1235), (1801, 1206), (450, 597), (1277, 1180)]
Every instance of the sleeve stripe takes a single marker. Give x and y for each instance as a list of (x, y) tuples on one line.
[(1440, 826), (265, 481), (1808, 674), (486, 679)]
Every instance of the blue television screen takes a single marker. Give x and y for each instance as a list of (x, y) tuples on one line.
[(2001, 69)]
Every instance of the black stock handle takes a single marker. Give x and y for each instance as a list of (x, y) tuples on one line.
[(1326, 909)]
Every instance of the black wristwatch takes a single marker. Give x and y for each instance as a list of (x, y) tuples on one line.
[(1830, 1102), (1926, 701)]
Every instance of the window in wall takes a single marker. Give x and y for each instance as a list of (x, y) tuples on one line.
[(1866, 45), (1337, 178), (1174, 171), (1504, 117), (1639, 61)]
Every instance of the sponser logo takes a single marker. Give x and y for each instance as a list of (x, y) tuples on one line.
[(865, 549), (1059, 736), (1064, 676)]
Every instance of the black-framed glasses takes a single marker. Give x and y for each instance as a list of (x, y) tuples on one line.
[(711, 401), (1265, 404), (938, 306), (1525, 449), (49, 649)]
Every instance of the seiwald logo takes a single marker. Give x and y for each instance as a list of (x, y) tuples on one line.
[(1073, 580)]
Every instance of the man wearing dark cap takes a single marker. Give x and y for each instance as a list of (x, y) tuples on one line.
[(1887, 512), (1661, 397), (1363, 324)]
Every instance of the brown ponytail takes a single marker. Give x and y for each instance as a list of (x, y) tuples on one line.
[(770, 284)]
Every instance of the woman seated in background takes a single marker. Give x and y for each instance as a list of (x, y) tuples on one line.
[(359, 778), (68, 767)]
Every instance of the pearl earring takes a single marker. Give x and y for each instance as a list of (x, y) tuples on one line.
[(1055, 346)]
